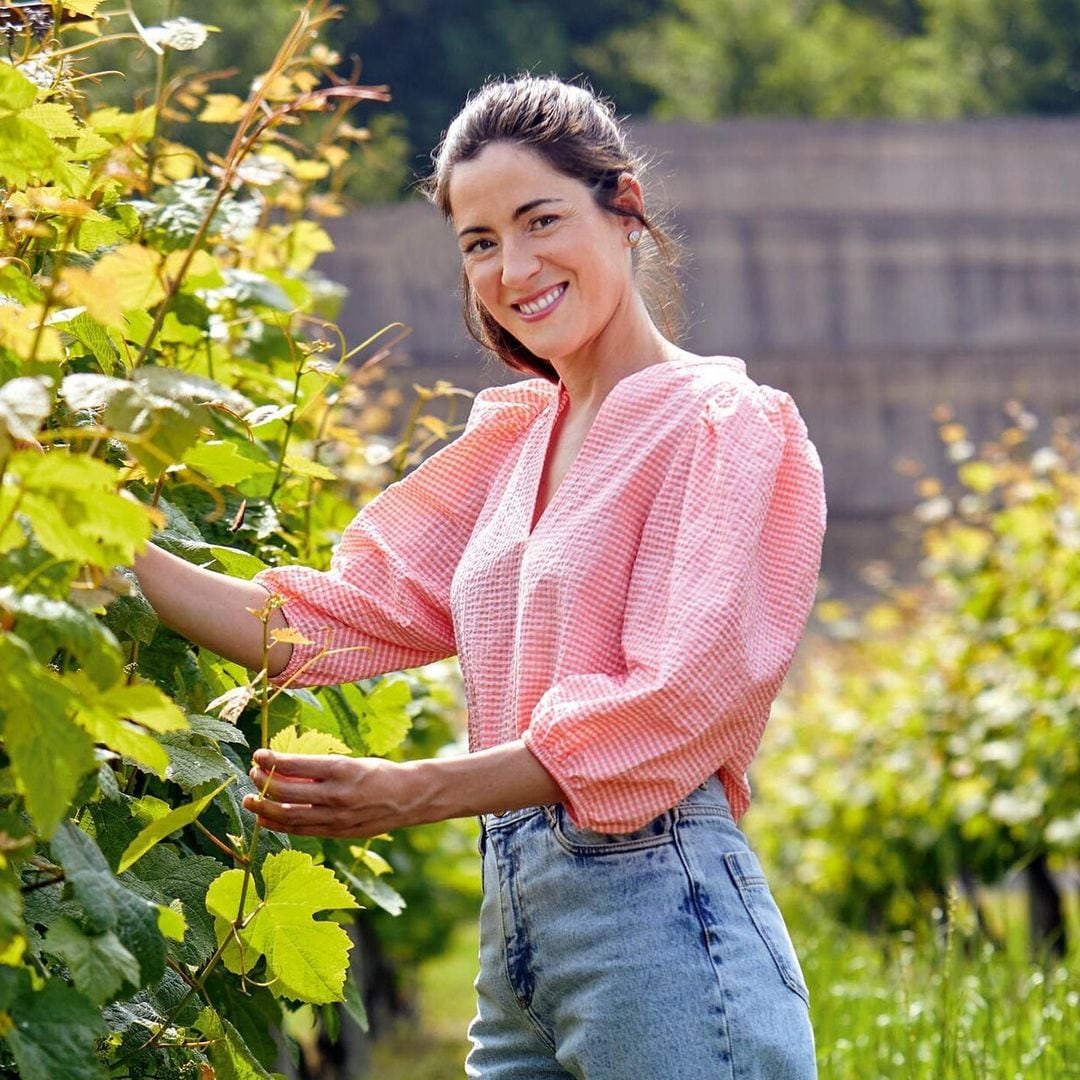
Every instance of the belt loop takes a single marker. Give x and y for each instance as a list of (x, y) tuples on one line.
[(549, 813), (481, 841)]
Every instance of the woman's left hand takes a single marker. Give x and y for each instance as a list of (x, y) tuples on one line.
[(332, 796)]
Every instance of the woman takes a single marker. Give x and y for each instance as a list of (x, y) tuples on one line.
[(623, 551)]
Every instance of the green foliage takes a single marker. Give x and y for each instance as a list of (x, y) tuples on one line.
[(163, 334), (927, 59), (937, 735)]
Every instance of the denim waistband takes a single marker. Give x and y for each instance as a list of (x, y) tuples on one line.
[(709, 795)]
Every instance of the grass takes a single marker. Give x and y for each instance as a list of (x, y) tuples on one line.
[(921, 1006)]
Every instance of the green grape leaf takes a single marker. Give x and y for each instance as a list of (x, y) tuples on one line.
[(164, 876), (225, 463), (194, 759), (137, 928), (157, 429), (171, 922), (305, 959), (54, 1034), (363, 881), (171, 822), (213, 728), (74, 510), (58, 120), (48, 625), (123, 716), (90, 333), (99, 963), (236, 563), (354, 1002), (228, 1053), (291, 741), (12, 936), (17, 92), (388, 722), (28, 153), (89, 876), (133, 617), (49, 754)]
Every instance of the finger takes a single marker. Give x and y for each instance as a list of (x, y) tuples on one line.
[(315, 766), (286, 789), (301, 792), (285, 813)]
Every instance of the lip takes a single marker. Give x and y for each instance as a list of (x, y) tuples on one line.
[(537, 316)]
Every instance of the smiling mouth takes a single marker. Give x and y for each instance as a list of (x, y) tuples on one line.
[(541, 303)]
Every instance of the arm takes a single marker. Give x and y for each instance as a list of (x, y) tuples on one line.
[(210, 609), (314, 795), (384, 603)]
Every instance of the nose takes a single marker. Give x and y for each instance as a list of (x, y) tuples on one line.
[(519, 263)]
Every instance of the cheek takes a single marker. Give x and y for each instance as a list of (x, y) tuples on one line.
[(481, 281)]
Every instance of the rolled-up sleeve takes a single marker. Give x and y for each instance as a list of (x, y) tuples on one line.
[(721, 588), (383, 604)]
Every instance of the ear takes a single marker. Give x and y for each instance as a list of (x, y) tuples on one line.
[(629, 198)]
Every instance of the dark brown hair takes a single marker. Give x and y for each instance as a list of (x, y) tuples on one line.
[(577, 134)]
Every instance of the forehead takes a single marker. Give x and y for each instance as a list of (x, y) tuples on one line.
[(502, 177)]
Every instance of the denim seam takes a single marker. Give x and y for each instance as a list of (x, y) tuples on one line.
[(702, 810), (707, 935), (743, 884), (525, 1008)]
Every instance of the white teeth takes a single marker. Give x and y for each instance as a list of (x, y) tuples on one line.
[(534, 307)]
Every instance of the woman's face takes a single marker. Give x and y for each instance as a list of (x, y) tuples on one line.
[(549, 265)]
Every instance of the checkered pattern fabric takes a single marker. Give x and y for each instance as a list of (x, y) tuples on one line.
[(636, 635)]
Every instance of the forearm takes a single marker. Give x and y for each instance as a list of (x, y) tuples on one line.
[(489, 781), (210, 609)]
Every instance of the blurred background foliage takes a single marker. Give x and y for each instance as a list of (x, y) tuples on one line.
[(933, 737), (676, 59)]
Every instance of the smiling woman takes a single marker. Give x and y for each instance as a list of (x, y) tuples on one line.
[(574, 136), (623, 552)]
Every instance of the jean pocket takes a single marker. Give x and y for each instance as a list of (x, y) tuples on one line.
[(746, 873), (579, 841)]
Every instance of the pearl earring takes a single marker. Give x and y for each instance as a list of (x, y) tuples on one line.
[(634, 236)]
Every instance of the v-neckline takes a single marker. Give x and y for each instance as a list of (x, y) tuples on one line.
[(535, 521), (555, 411)]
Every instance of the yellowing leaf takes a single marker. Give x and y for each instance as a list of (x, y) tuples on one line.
[(311, 170), (305, 960), (19, 330), (302, 466), (131, 273), (202, 264), (137, 127), (289, 635), (83, 7), (291, 741), (222, 109)]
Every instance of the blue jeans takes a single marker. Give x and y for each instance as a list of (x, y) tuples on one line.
[(653, 955)]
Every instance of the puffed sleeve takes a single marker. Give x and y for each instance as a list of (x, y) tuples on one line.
[(721, 588), (385, 598)]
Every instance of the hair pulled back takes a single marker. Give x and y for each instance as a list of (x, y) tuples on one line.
[(578, 135)]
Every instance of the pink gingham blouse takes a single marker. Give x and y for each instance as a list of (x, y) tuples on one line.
[(636, 636)]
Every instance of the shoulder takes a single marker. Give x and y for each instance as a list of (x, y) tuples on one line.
[(717, 391), (511, 408)]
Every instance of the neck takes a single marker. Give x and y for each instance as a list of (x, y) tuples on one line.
[(630, 342)]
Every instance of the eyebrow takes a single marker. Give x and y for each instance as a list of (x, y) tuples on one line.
[(523, 209)]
